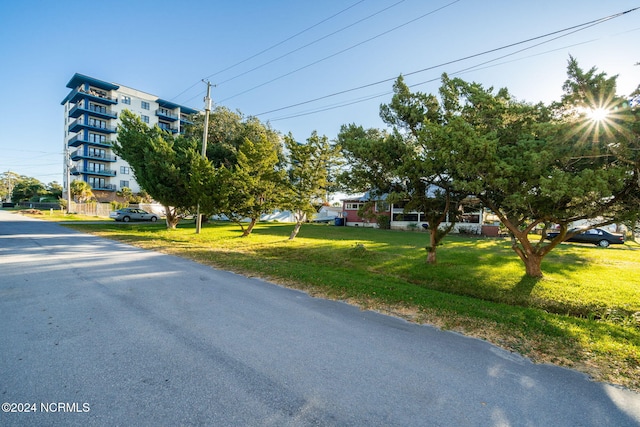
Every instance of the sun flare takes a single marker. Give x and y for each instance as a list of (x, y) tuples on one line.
[(597, 114), (597, 119)]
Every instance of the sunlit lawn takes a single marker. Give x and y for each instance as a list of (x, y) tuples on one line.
[(59, 216), (584, 313)]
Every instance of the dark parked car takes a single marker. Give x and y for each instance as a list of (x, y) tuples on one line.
[(597, 236), (133, 214)]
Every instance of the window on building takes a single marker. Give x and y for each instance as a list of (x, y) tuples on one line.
[(97, 92), (95, 137), (124, 184), (96, 167), (97, 182), (124, 170), (145, 105), (97, 152), (382, 206), (471, 218), (97, 123), (126, 100), (97, 108), (144, 118), (353, 206), (411, 217)]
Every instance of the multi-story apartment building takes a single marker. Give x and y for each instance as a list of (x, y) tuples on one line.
[(91, 112)]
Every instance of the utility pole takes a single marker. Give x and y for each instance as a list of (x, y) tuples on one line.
[(207, 109)]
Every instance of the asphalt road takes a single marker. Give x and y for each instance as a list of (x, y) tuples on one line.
[(95, 332)]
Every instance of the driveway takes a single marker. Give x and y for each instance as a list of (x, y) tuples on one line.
[(95, 332)]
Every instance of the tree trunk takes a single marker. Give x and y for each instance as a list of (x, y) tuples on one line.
[(295, 231), (533, 266), (431, 249), (249, 228), (172, 218), (530, 255), (531, 258), (431, 256)]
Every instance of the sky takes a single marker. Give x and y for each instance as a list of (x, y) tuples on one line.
[(300, 65)]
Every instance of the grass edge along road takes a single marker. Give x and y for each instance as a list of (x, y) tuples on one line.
[(584, 314)]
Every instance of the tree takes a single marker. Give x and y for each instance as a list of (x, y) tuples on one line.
[(256, 181), (213, 187), (419, 122), (215, 179), (309, 168), (227, 132), (161, 164), (54, 190), (407, 163), (534, 166), (7, 181), (27, 188), (371, 157), (81, 191), (125, 193)]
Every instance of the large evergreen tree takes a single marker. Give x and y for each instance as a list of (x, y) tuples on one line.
[(161, 164), (534, 166), (255, 184), (406, 164), (309, 170)]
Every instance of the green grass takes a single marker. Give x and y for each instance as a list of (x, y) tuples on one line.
[(58, 215), (584, 313)]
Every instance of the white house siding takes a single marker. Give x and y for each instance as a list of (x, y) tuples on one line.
[(414, 220)]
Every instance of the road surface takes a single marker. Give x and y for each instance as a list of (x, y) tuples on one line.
[(95, 333)]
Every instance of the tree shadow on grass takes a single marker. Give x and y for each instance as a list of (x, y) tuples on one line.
[(522, 290)]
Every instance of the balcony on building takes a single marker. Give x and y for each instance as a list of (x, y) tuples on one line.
[(80, 154), (184, 120), (105, 187), (184, 114), (84, 123), (88, 88), (91, 171), (167, 127), (91, 95), (84, 107), (81, 139), (166, 114)]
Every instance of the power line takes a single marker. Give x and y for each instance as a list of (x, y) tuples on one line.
[(332, 107), (474, 67), (574, 27), (34, 164), (466, 70), (342, 51), (28, 151), (269, 48), (478, 67), (313, 42)]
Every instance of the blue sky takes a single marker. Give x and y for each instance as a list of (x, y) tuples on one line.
[(268, 55)]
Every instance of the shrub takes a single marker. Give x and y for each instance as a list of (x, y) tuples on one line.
[(384, 222), (467, 231), (115, 205)]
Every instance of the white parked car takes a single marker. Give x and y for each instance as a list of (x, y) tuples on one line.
[(133, 214)]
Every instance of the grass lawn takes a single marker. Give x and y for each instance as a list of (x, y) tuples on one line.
[(585, 312), (58, 216)]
